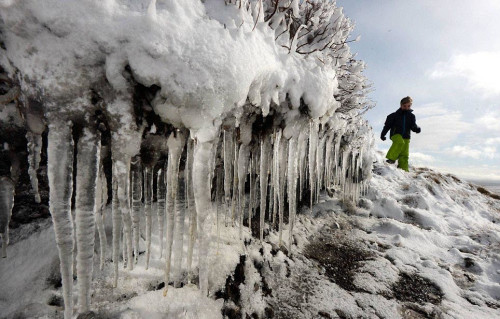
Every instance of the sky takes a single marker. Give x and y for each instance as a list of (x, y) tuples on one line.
[(446, 55)]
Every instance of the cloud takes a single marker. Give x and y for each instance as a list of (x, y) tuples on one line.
[(481, 70), (440, 128), (422, 158), (492, 141), (489, 121), (475, 153), (430, 109)]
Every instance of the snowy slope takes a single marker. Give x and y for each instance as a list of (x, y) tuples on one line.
[(421, 245)]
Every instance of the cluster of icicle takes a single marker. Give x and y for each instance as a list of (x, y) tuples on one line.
[(279, 168)]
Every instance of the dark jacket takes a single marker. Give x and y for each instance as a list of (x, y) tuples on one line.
[(401, 122)]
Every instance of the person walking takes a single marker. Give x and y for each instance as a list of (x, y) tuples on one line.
[(400, 123)]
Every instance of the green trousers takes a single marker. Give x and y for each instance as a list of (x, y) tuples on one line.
[(400, 151)]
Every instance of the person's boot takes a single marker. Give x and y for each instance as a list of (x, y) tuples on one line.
[(390, 161)]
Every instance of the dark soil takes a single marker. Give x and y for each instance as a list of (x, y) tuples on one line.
[(415, 288), (231, 293), (339, 259)]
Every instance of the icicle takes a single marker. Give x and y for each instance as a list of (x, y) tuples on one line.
[(276, 174), (191, 207), (328, 161), (87, 164), (161, 189), (124, 242), (122, 176), (228, 172), (148, 203), (201, 185), (302, 147), (271, 177), (292, 189), (338, 139), (252, 192), (6, 204), (313, 145), (218, 193), (117, 224), (34, 151), (136, 203), (264, 149), (235, 184), (320, 165), (343, 170), (60, 173), (282, 183), (180, 220), (243, 158), (175, 144), (255, 158), (101, 200)]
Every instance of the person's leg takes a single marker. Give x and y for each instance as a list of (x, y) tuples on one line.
[(396, 147), (404, 155)]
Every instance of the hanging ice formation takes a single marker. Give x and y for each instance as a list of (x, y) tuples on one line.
[(203, 140)]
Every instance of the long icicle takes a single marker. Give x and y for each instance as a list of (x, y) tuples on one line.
[(87, 164), (228, 172), (117, 224), (234, 202), (313, 144), (161, 189), (175, 143), (292, 189), (34, 151), (136, 203), (7, 189), (276, 174), (101, 200), (301, 151), (201, 186), (180, 218), (252, 192), (264, 149), (191, 207), (282, 184), (60, 173), (122, 174), (148, 203), (243, 159)]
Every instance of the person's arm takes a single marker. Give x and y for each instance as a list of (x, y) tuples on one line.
[(415, 128), (389, 121)]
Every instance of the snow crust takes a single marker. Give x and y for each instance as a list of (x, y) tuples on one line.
[(206, 57)]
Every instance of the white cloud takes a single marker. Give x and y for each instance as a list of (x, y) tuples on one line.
[(421, 158), (439, 130), (475, 153), (489, 121), (493, 141), (430, 109), (465, 151), (481, 69)]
